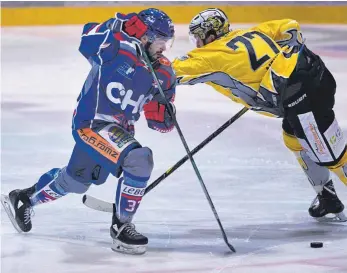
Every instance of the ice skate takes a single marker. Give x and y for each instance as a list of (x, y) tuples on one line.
[(18, 207), (126, 239), (327, 203)]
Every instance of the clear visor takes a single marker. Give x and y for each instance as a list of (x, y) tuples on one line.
[(161, 45)]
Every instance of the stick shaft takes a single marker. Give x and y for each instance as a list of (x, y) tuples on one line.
[(196, 149), (184, 142)]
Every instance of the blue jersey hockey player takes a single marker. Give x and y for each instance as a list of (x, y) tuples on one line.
[(119, 86)]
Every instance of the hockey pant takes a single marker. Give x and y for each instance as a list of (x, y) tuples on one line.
[(310, 128), (97, 153)]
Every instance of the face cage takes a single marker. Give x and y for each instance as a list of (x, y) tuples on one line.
[(196, 40)]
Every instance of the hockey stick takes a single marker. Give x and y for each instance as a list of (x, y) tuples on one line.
[(97, 204), (184, 142), (196, 149)]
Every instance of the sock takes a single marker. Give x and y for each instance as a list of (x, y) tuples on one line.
[(130, 191), (47, 189)]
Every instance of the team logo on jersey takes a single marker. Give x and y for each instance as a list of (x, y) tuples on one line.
[(164, 61), (126, 70), (183, 58)]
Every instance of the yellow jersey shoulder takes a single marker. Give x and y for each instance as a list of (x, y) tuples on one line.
[(284, 32)]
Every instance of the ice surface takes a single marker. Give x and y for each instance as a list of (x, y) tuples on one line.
[(259, 191)]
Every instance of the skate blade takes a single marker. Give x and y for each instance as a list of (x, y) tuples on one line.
[(6, 203), (118, 246), (337, 218)]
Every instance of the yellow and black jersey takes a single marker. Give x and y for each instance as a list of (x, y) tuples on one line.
[(249, 66)]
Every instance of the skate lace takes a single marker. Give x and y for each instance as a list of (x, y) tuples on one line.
[(129, 228), (28, 212)]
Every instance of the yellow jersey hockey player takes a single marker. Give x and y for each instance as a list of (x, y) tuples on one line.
[(269, 70)]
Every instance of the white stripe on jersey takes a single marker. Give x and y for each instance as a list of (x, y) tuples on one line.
[(98, 87), (129, 44), (93, 31), (104, 117)]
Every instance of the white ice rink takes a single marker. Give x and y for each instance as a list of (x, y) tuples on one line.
[(259, 191)]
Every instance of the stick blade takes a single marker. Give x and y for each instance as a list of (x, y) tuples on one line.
[(97, 204), (231, 247)]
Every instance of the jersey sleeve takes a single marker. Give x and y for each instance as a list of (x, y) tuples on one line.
[(98, 43), (192, 69), (285, 32)]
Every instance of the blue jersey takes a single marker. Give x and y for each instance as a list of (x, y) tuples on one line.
[(119, 82)]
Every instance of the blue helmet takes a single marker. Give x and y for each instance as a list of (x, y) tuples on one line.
[(159, 24)]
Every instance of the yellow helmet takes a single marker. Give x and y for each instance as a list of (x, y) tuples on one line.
[(210, 21)]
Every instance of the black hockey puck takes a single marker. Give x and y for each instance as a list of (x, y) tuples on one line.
[(316, 244)]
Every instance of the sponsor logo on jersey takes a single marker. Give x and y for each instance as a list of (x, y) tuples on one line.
[(332, 140), (117, 94), (98, 143), (119, 137), (336, 137), (133, 191), (317, 141), (52, 194)]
